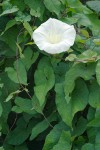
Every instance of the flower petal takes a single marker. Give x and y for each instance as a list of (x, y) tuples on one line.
[(56, 26), (56, 48), (39, 40), (69, 35)]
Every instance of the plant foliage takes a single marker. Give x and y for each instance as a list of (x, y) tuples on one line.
[(49, 102)]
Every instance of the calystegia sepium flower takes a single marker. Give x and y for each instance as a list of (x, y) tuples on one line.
[(54, 36)]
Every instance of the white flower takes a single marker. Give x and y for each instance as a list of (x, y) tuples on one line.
[(54, 36)]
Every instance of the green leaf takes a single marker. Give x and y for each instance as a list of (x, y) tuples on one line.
[(98, 72), (78, 101), (63, 2), (97, 42), (91, 113), (38, 12), (1, 148), (80, 96), (22, 147), (78, 143), (33, 4), (24, 105), (97, 141), (28, 28), (88, 21), (29, 57), (1, 109), (36, 105), (1, 85), (88, 146), (9, 85), (22, 17), (94, 96), (64, 141), (42, 126), (6, 5), (80, 126), (95, 5), (20, 51), (91, 133), (8, 147), (63, 108), (60, 70), (95, 122), (11, 41), (54, 135), (18, 73), (10, 24), (19, 134), (77, 6), (10, 96), (70, 20), (71, 57), (36, 8), (45, 71), (9, 11), (12, 74), (84, 33), (87, 56), (19, 4), (53, 6), (77, 71)]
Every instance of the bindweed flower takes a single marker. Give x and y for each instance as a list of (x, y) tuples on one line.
[(54, 36)]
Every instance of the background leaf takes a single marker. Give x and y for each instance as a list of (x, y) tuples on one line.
[(47, 81), (53, 6), (95, 5)]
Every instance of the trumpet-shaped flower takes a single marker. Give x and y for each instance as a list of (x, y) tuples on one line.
[(54, 36)]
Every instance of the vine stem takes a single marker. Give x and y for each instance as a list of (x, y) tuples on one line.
[(17, 54)]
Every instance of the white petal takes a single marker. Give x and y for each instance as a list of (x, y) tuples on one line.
[(39, 40), (69, 35), (55, 25), (56, 48)]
